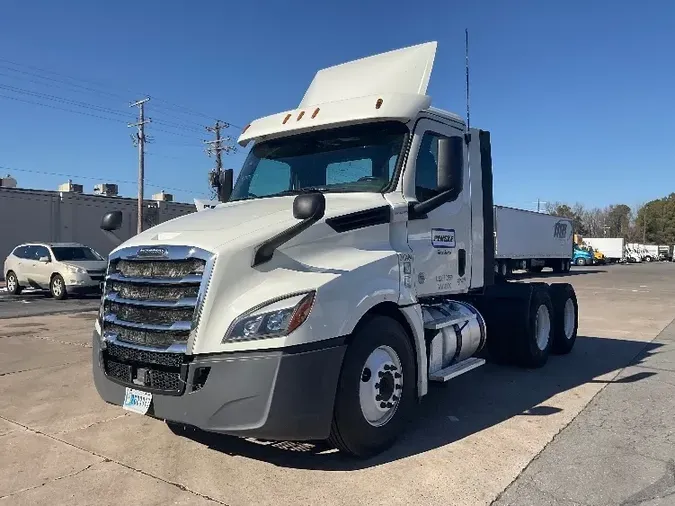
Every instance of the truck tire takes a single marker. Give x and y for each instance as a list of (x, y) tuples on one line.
[(581, 261), (565, 317), (12, 283), (377, 388), (534, 344)]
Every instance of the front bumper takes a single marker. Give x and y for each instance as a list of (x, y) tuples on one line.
[(282, 394), (83, 283)]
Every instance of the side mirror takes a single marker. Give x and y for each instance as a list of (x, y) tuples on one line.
[(111, 221), (309, 205), (450, 162), (223, 182), (44, 260)]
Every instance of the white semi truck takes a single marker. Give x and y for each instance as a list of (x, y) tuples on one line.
[(531, 241), (351, 264)]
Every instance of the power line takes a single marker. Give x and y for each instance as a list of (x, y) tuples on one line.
[(7, 97), (55, 98), (170, 105)]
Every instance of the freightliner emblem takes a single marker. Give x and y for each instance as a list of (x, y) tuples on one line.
[(152, 252)]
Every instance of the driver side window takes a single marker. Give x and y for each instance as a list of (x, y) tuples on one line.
[(426, 168)]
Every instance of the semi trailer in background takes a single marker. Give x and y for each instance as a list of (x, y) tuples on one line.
[(530, 241)]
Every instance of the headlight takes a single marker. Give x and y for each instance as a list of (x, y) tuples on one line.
[(275, 319), (77, 270)]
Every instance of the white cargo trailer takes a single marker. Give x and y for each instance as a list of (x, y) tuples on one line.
[(531, 241), (614, 248)]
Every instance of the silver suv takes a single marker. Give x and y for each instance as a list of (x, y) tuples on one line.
[(61, 268)]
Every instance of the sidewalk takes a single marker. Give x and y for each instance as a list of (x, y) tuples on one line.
[(620, 450)]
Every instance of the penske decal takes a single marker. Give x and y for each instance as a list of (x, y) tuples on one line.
[(442, 238)]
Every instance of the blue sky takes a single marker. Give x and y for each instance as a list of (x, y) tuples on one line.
[(579, 96)]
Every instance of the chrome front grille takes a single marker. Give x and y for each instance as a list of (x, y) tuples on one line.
[(152, 295)]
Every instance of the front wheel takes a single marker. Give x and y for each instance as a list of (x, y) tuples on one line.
[(581, 262), (377, 388), (57, 287)]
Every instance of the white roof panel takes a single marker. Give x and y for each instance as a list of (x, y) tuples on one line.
[(402, 71)]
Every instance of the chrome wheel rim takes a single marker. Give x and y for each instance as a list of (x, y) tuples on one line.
[(568, 318), (11, 283), (57, 286), (543, 327), (380, 386)]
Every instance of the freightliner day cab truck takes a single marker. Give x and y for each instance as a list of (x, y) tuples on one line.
[(351, 264)]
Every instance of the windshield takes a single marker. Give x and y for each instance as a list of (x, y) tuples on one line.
[(358, 158), (75, 253)]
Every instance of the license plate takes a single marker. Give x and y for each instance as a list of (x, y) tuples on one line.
[(137, 401)]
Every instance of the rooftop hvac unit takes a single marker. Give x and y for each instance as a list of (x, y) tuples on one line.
[(106, 190), (163, 197), (71, 187), (7, 182)]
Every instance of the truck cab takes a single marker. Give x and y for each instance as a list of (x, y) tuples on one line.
[(350, 264)]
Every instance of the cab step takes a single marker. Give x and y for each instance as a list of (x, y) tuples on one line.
[(456, 369)]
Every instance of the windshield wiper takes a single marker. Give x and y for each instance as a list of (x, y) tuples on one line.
[(306, 189)]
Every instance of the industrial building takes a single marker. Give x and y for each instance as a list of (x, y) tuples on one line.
[(70, 215)]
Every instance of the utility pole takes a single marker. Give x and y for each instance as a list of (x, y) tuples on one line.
[(139, 140), (217, 147)]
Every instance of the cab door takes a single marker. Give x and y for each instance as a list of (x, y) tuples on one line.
[(440, 239)]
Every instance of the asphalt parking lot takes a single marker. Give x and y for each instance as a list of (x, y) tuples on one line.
[(594, 427), (35, 303)]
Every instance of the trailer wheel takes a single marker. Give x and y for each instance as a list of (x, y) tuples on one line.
[(377, 388), (561, 266), (535, 343), (566, 317)]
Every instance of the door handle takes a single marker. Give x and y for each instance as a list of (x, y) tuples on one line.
[(461, 262)]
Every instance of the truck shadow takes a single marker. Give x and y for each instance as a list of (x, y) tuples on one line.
[(464, 406)]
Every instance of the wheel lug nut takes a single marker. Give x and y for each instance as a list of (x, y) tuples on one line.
[(398, 387)]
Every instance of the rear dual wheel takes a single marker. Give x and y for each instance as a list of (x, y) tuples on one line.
[(551, 327)]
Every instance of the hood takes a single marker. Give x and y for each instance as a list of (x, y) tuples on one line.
[(89, 265), (245, 222)]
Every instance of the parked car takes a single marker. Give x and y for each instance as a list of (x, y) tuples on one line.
[(61, 268)]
